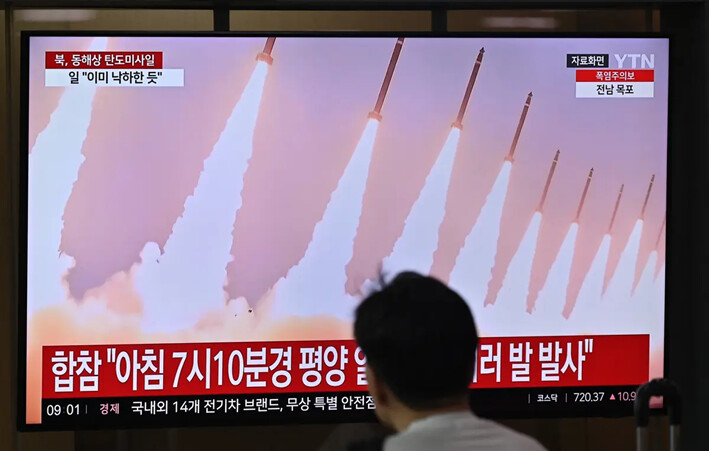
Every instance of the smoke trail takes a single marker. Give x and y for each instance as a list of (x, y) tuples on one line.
[(621, 284), (515, 287), (415, 247), (473, 267), (549, 306), (53, 169), (657, 333), (646, 283), (647, 308), (587, 308), (508, 316), (316, 285), (188, 278)]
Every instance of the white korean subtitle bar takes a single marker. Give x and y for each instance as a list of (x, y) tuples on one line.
[(615, 90), (120, 78)]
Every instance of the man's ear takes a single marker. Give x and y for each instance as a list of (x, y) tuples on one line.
[(376, 388)]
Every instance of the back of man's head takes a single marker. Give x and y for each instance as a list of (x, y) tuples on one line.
[(420, 340)]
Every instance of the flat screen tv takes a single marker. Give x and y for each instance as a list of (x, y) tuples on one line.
[(202, 213)]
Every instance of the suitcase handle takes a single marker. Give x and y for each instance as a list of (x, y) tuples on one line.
[(671, 399)]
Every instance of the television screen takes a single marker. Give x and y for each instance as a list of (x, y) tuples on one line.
[(204, 214)]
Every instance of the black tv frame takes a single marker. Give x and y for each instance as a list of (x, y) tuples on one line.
[(23, 206)]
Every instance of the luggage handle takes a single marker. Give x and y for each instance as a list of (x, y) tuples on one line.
[(671, 399)]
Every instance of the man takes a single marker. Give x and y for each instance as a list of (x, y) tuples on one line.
[(420, 341)]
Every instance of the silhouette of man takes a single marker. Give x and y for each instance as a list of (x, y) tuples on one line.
[(420, 341)]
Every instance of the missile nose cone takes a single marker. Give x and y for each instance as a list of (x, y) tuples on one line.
[(556, 157), (482, 50), (622, 187), (530, 94)]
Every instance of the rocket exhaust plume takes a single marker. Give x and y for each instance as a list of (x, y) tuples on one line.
[(642, 291), (472, 272), (473, 267), (549, 307), (621, 284), (187, 280), (54, 165), (552, 298), (588, 301), (583, 195), (615, 209), (419, 240), (647, 196), (323, 268), (515, 285), (659, 234), (548, 182), (376, 113), (265, 55), (657, 246), (642, 309), (586, 307), (518, 132), (468, 91)]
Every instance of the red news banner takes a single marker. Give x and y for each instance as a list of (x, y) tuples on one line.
[(103, 60), (617, 75), (324, 366)]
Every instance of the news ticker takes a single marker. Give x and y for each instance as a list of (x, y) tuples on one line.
[(328, 407)]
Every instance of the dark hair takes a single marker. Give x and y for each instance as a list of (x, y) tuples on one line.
[(419, 338)]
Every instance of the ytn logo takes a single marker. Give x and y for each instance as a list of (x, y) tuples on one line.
[(631, 60)]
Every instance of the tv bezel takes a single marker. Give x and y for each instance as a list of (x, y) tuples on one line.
[(21, 302)]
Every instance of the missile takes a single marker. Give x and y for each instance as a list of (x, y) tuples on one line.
[(615, 209), (548, 183), (647, 196), (659, 235), (376, 113), (469, 90), (265, 56), (513, 147), (583, 196)]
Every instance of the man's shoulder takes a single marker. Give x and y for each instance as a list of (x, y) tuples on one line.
[(517, 441), (475, 434), (495, 436)]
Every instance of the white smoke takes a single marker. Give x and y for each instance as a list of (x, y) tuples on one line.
[(473, 267), (54, 165), (621, 284), (657, 338), (588, 315), (643, 306), (549, 305), (316, 285), (188, 279), (508, 316), (415, 247)]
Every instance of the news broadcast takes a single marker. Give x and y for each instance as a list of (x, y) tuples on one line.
[(205, 213)]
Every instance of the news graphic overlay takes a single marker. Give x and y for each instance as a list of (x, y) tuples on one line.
[(195, 251), (134, 69), (614, 76)]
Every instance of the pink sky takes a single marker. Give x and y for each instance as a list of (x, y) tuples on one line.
[(145, 149)]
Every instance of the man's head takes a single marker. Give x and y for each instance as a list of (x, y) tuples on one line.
[(420, 341)]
